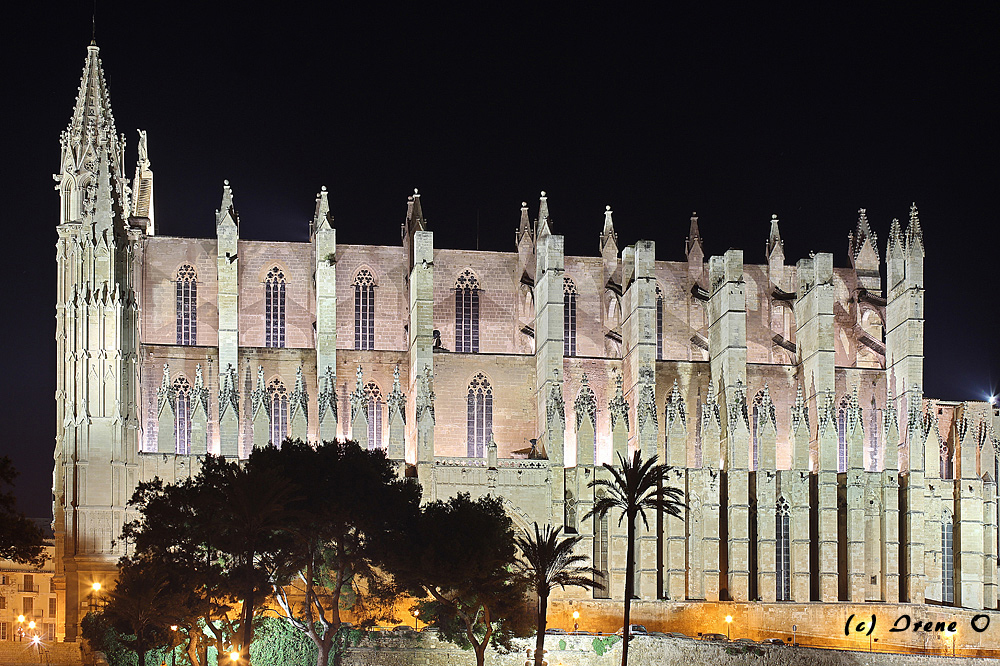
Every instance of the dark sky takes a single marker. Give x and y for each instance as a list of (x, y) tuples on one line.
[(807, 114)]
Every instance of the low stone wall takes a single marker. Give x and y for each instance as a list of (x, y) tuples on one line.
[(427, 650)]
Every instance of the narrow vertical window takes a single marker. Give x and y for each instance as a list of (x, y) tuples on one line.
[(467, 313), (364, 310), (659, 324), (601, 553), (569, 317), (480, 415), (187, 305), (279, 411), (373, 396), (274, 308), (947, 561), (842, 436), (783, 551), (947, 470), (182, 415)]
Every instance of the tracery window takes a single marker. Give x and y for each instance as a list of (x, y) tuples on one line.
[(569, 317), (842, 435), (947, 560), (783, 551), (467, 313), (182, 415), (480, 416), (364, 310), (659, 324), (187, 305), (600, 556), (279, 411), (373, 396), (274, 308)]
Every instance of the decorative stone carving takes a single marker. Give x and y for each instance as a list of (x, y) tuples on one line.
[(199, 394), (853, 416), (425, 393), (555, 407), (765, 411), (328, 394), (258, 399), (165, 394), (711, 413), (396, 399), (585, 404), (300, 397), (800, 411), (229, 396), (617, 405), (645, 408), (358, 401), (675, 408), (737, 407), (827, 412)]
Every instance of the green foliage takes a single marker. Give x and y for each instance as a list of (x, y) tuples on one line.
[(277, 643), (21, 539), (103, 637), (602, 644), (737, 649)]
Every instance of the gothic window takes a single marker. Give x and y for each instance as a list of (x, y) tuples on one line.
[(659, 324), (274, 309), (187, 305), (601, 541), (842, 435), (182, 415), (364, 310), (569, 317), (480, 418), (467, 313), (279, 411), (757, 413), (947, 470), (947, 561), (569, 512), (783, 551), (67, 193), (373, 396)]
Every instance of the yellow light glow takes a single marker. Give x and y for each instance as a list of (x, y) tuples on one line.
[(173, 627), (31, 625), (20, 618), (235, 656), (729, 618), (416, 613), (97, 587), (36, 640), (576, 615)]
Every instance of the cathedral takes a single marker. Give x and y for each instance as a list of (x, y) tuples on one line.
[(787, 397)]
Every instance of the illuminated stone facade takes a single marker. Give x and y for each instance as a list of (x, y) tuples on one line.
[(787, 397)]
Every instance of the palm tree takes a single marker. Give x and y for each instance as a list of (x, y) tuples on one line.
[(635, 486), (547, 561)]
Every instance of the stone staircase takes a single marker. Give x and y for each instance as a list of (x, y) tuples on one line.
[(14, 653)]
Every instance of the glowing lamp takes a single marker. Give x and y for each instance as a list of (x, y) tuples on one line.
[(20, 618), (235, 656), (97, 587)]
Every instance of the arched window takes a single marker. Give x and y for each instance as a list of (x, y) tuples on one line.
[(569, 317), (373, 396), (569, 512), (67, 194), (601, 541), (947, 468), (756, 413), (842, 435), (783, 560), (364, 310), (659, 324), (182, 415), (187, 305), (947, 560), (467, 313), (480, 419), (279, 411), (274, 309)]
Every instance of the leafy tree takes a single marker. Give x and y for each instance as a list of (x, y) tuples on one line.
[(460, 553), (635, 486), (21, 540), (347, 501), (547, 561)]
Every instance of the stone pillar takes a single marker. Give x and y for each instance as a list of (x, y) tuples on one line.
[(706, 484), (794, 486), (675, 530), (987, 458), (854, 567), (585, 408), (166, 438), (913, 547), (199, 415), (420, 431), (259, 411), (229, 410), (359, 412), (396, 402), (904, 311), (765, 491), (324, 239), (619, 449), (327, 403), (228, 234), (728, 355), (939, 506), (298, 417), (969, 533), (890, 561), (550, 408)]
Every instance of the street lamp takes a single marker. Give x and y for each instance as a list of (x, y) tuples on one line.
[(234, 656), (94, 594), (173, 648), (20, 627), (729, 621), (416, 615), (576, 620), (951, 634)]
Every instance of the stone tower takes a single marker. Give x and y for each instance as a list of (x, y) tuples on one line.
[(96, 340)]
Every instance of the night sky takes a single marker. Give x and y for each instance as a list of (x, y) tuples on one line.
[(807, 115)]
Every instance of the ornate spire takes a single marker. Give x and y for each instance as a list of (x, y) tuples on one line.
[(258, 399), (608, 233), (524, 227), (199, 394), (914, 234), (300, 397), (766, 413), (396, 398), (774, 238), (863, 235), (165, 394), (737, 407), (322, 220), (543, 217), (328, 394), (585, 404), (694, 238), (358, 396), (425, 393), (855, 421), (827, 412), (414, 213), (142, 186), (617, 405), (890, 418), (896, 241), (675, 410), (92, 122), (556, 407), (226, 210), (645, 408), (710, 413), (229, 395)]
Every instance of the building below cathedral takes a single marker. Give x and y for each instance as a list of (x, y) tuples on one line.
[(786, 396)]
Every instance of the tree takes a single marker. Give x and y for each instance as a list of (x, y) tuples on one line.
[(347, 501), (21, 540), (460, 553), (547, 561), (635, 486)]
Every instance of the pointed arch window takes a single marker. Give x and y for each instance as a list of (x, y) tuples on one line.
[(376, 407), (480, 415), (659, 323), (947, 560), (279, 411), (467, 313), (187, 305), (601, 544), (182, 415), (67, 196), (842, 435), (364, 310), (569, 317), (783, 547), (947, 467), (274, 308)]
